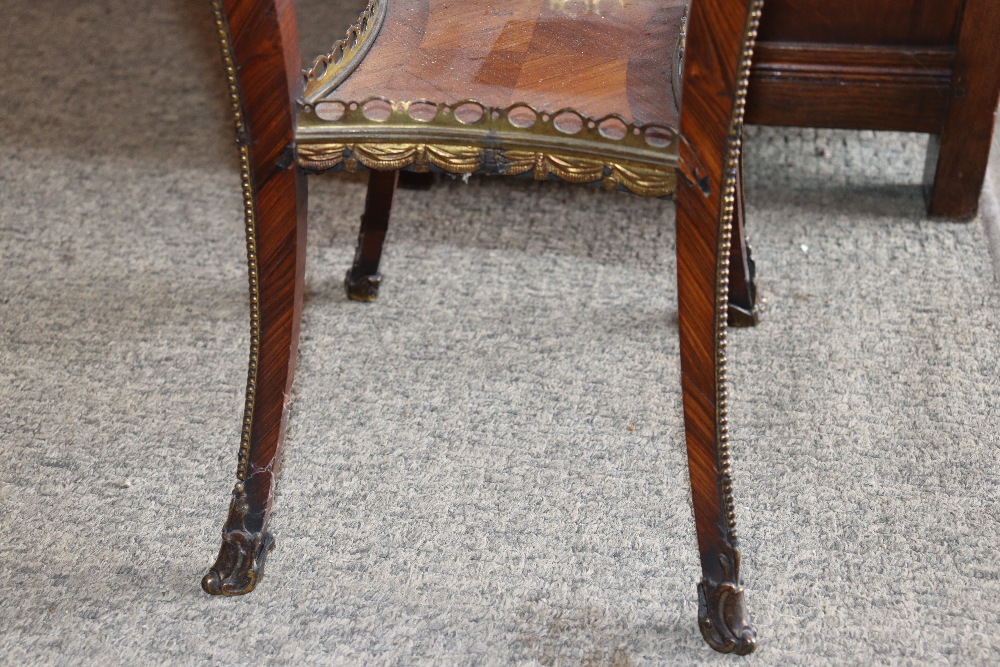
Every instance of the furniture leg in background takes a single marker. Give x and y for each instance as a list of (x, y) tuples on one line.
[(363, 278), (855, 64), (959, 152)]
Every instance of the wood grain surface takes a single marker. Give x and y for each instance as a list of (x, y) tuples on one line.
[(710, 123), (595, 56), (920, 23), (903, 65), (850, 86), (262, 60)]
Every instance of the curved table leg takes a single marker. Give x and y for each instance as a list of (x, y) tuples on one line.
[(260, 52), (715, 75)]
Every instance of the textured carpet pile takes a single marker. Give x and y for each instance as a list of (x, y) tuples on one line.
[(486, 466)]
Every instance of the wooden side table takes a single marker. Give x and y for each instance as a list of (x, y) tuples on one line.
[(907, 65), (582, 92)]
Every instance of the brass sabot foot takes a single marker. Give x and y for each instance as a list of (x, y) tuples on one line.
[(723, 619), (362, 288), (240, 564), (741, 317)]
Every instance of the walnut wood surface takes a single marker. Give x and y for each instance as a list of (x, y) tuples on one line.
[(850, 86), (598, 57), (921, 23), (854, 64)]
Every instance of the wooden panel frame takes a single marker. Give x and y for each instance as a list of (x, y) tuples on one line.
[(850, 86), (855, 65)]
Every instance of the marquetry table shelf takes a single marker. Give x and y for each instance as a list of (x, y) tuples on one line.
[(584, 93)]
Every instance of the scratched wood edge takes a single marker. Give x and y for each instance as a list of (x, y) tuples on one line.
[(261, 57)]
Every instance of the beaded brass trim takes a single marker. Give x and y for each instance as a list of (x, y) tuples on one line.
[(329, 71), (468, 137), (734, 146), (250, 218)]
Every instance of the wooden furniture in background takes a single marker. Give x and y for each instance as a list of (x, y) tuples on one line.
[(580, 91), (928, 66)]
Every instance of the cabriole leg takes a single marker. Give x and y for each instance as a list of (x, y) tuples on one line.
[(702, 311), (260, 52), (717, 61)]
